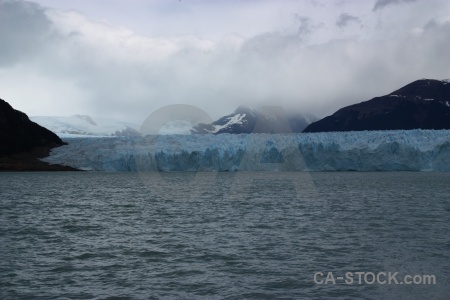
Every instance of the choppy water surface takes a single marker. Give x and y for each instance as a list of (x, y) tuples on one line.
[(221, 236)]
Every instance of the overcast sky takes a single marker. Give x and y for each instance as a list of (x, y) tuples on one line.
[(127, 58)]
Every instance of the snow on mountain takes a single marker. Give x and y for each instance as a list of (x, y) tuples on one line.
[(233, 120), (412, 150), (246, 120), (83, 125), (243, 120)]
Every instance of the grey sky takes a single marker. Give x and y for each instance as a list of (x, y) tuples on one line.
[(129, 58)]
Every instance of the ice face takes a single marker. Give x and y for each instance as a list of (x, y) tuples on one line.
[(414, 150)]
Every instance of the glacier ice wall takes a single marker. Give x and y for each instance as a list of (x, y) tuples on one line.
[(413, 150)]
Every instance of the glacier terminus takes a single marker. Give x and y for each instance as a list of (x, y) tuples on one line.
[(411, 150)]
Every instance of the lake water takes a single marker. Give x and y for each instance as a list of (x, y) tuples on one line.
[(88, 235)]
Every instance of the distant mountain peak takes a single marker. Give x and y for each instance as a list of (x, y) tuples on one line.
[(246, 120), (244, 109), (87, 119), (425, 89)]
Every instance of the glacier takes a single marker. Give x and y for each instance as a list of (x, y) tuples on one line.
[(84, 125), (412, 150)]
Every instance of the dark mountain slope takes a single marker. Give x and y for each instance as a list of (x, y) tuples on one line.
[(22, 142), (423, 104)]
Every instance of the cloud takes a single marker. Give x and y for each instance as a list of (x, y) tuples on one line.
[(345, 19), (304, 25), (24, 30), (63, 63), (380, 4)]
